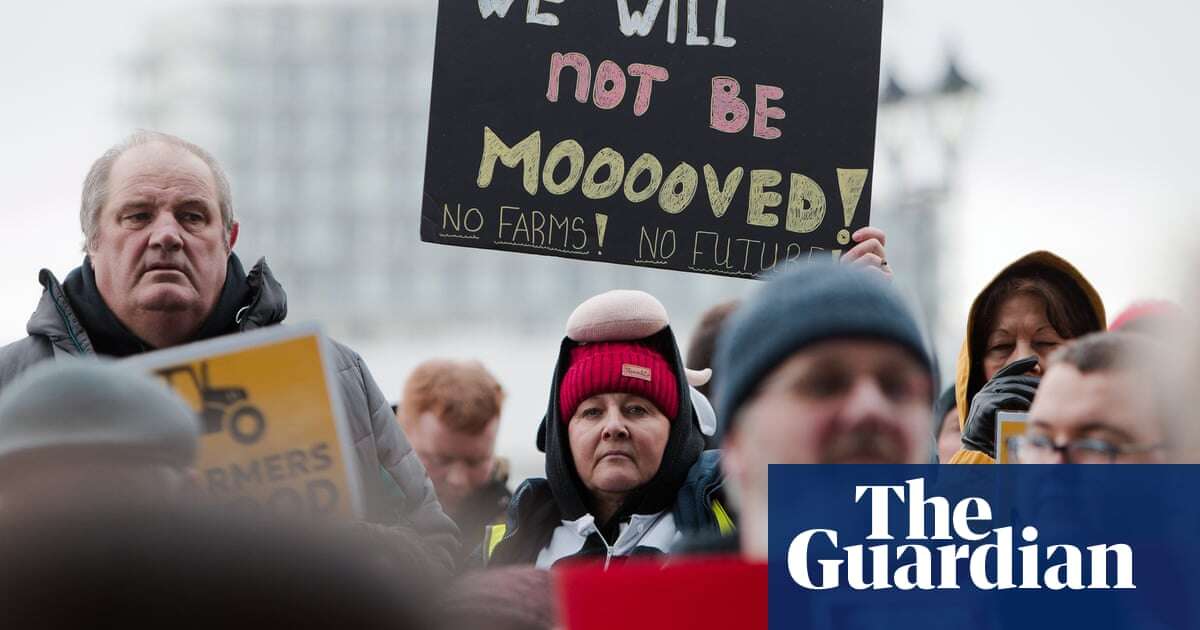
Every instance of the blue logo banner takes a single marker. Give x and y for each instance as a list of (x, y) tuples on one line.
[(982, 547)]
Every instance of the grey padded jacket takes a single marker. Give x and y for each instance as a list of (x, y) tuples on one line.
[(55, 331)]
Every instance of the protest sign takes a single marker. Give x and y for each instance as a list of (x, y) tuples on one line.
[(274, 433), (704, 136), (1009, 424)]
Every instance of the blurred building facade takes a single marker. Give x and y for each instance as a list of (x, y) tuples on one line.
[(319, 112)]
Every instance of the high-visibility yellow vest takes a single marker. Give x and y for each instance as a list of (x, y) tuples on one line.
[(493, 534)]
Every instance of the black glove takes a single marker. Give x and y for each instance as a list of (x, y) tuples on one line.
[(1009, 390)]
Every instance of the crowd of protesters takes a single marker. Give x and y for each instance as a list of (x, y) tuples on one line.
[(648, 457)]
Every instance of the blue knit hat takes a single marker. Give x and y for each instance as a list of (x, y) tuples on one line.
[(812, 303)]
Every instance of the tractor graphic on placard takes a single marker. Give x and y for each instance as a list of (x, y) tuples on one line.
[(222, 408)]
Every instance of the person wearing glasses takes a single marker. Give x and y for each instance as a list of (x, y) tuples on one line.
[(1100, 402)]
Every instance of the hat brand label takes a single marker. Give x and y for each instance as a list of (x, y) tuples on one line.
[(635, 371)]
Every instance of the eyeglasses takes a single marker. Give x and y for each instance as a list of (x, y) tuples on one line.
[(1040, 449)]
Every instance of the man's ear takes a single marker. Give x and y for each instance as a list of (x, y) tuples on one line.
[(88, 243), (233, 234)]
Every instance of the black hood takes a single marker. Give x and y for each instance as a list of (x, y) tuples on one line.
[(684, 445)]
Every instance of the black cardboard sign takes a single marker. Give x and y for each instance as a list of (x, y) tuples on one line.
[(713, 136)]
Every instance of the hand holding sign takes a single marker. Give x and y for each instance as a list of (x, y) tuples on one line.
[(868, 252), (1009, 390)]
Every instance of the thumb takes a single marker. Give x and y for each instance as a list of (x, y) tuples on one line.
[(1018, 367)]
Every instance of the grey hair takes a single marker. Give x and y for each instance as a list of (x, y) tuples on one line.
[(95, 185)]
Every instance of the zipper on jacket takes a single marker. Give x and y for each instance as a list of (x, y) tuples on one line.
[(66, 322), (608, 549)]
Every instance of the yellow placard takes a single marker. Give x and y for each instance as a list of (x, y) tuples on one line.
[(274, 436), (1008, 425)]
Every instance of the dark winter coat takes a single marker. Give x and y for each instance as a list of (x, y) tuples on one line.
[(687, 486), (532, 517), (247, 302)]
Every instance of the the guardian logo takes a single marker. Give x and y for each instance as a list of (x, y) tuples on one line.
[(926, 567)]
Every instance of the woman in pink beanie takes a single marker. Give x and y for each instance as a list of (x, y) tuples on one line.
[(626, 470)]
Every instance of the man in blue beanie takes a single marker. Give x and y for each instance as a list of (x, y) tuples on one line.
[(825, 365)]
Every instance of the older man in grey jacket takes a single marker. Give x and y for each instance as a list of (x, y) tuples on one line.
[(159, 271)]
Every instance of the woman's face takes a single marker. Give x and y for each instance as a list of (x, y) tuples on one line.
[(617, 442), (1021, 329)]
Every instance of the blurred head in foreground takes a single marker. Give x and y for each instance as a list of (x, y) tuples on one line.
[(1101, 401), (508, 598), (1161, 318), (175, 567), (86, 431), (825, 365)]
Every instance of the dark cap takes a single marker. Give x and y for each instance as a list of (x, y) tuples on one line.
[(88, 404)]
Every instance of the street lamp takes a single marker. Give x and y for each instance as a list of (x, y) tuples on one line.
[(921, 132), (899, 118), (951, 108), (907, 118)]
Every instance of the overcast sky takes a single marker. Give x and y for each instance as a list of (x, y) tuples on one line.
[(1082, 144)]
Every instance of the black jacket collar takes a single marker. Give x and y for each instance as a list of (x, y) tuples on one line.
[(246, 302)]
